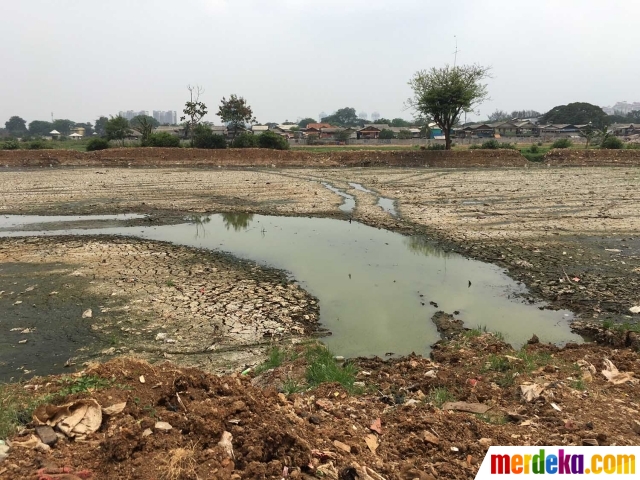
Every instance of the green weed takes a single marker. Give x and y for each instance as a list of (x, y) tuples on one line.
[(439, 396), (324, 368), (492, 418), (578, 385), (497, 363), (85, 383), (277, 356), (170, 283), (291, 386)]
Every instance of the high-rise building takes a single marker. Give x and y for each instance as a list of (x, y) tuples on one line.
[(169, 117), (129, 114)]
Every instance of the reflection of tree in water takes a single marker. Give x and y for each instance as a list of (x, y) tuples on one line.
[(199, 221), (239, 221), (423, 246)]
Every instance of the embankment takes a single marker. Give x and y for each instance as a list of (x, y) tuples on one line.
[(183, 157), (593, 158)]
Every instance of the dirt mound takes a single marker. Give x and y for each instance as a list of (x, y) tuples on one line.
[(417, 418), (593, 158), (189, 157)]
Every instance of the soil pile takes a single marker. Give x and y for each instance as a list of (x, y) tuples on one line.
[(252, 157), (417, 418), (593, 158)]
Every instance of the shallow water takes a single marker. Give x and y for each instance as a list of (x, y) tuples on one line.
[(387, 204), (374, 286), (348, 204), (8, 222)]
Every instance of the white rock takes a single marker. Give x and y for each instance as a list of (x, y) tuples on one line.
[(87, 313), (161, 336), (163, 426), (635, 309)]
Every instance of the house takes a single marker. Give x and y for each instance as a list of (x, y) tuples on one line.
[(75, 136), (507, 129), (371, 131), (78, 130), (176, 130), (560, 130), (482, 130), (258, 129), (624, 130), (54, 134), (220, 130)]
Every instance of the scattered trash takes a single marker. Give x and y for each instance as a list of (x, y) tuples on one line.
[(342, 446), (372, 442), (163, 426), (430, 438), (142, 380), (555, 407), (225, 443), (114, 409), (87, 313), (466, 407), (635, 309), (46, 434), (75, 419), (161, 336), (530, 392), (376, 426), (614, 375)]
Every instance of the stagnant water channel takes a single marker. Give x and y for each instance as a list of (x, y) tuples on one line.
[(375, 287)]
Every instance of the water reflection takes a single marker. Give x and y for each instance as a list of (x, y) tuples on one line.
[(423, 246), (239, 221), (199, 221)]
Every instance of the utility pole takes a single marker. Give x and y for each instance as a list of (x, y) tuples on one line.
[(455, 57), (51, 117)]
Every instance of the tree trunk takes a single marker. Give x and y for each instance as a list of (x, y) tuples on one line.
[(447, 140)]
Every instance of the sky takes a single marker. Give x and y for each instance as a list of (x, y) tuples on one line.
[(295, 58)]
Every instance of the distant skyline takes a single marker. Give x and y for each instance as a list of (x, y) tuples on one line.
[(295, 58)]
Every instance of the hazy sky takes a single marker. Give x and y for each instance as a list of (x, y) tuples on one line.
[(296, 58)]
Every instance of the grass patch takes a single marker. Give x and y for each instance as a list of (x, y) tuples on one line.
[(497, 363), (324, 368), (85, 383), (170, 283), (291, 386), (277, 356), (439, 396), (492, 418), (578, 385)]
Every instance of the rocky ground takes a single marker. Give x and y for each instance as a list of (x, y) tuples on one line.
[(571, 235)]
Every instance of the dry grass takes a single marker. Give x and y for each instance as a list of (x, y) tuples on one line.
[(180, 464)]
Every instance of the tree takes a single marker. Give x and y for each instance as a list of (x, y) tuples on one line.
[(499, 116), (246, 140), (382, 121), (236, 113), (525, 114), (271, 139), (203, 137), (101, 126), (306, 121), (140, 120), (386, 134), (193, 111), (63, 126), (588, 133), (399, 122), (16, 126), (345, 117), (145, 125), (161, 139), (612, 143), (405, 134), (578, 113), (634, 116), (40, 128), (117, 128), (445, 93), (344, 135)]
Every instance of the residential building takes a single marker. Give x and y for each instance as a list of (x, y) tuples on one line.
[(129, 114), (258, 129), (170, 117)]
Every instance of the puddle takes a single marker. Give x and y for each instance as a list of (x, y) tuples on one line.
[(348, 204), (387, 204), (38, 222), (374, 286)]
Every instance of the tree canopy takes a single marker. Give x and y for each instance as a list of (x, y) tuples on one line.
[(306, 121), (443, 94), (64, 126), (40, 128), (400, 122), (345, 117), (193, 111), (236, 113), (578, 113), (143, 120), (16, 126), (101, 126), (117, 128)]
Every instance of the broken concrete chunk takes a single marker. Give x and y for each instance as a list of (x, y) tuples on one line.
[(163, 426), (342, 446), (466, 407), (46, 434)]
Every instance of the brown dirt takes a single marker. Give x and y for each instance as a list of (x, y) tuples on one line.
[(272, 431), (592, 158), (188, 157)]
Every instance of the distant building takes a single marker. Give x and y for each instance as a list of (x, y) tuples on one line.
[(129, 114), (375, 116), (622, 108), (170, 117)]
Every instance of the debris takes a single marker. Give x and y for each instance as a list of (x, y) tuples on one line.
[(23, 341), (430, 438), (114, 409), (361, 473), (454, 449), (613, 375), (590, 442), (466, 407), (161, 336), (142, 380), (225, 443), (163, 426), (376, 426), (73, 419), (533, 340), (635, 309), (485, 442), (87, 313), (324, 404), (31, 442), (372, 442), (147, 432), (46, 434), (342, 446), (555, 407), (530, 392)]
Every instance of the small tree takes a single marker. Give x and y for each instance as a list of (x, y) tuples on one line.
[(236, 113), (101, 126), (562, 143), (343, 136), (386, 134), (445, 93), (144, 125), (405, 134), (193, 111), (16, 126), (97, 144), (612, 143), (588, 133), (162, 139), (203, 137), (271, 139), (117, 128), (246, 140)]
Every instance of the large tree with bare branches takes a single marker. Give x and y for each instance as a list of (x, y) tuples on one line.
[(443, 94), (194, 110)]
